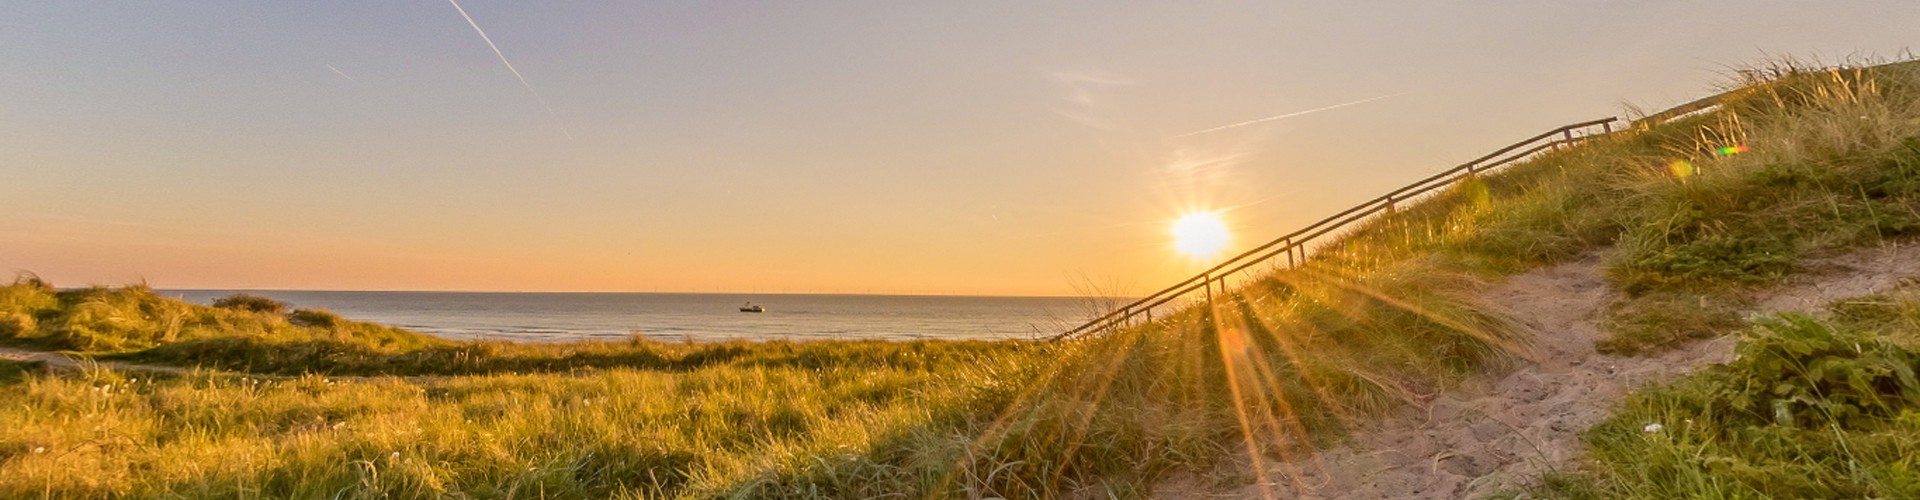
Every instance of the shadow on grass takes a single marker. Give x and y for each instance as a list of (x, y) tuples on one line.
[(14, 372), (477, 358)]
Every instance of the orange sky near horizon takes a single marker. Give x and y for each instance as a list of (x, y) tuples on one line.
[(975, 148)]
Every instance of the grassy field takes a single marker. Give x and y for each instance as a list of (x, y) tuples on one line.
[(638, 418), (1696, 212), (375, 411)]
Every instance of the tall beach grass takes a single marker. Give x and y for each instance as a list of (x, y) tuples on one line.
[(304, 403)]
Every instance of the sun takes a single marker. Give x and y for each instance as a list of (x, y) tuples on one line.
[(1200, 235)]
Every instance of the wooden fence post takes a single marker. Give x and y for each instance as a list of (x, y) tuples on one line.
[(1206, 281)]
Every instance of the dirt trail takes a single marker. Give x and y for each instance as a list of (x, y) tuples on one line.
[(1496, 433)]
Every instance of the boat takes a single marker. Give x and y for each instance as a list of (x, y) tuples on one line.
[(750, 308)]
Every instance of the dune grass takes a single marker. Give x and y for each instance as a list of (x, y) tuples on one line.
[(1690, 217), (717, 431), (1285, 363), (98, 319), (1825, 162), (256, 335), (843, 419)]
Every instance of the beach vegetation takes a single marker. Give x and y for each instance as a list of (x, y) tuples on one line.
[(251, 303), (1811, 408), (1687, 216)]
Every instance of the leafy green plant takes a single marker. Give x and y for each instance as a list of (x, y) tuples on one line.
[(1799, 372), (1809, 409)]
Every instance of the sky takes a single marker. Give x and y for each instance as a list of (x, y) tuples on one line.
[(971, 148)]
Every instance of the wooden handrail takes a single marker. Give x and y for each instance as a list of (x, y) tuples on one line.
[(1299, 238)]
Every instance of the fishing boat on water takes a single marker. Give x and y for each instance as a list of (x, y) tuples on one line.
[(750, 308)]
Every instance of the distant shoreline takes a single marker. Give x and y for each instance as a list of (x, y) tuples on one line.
[(548, 317), (823, 294)]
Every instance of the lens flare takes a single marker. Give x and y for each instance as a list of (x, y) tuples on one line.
[(1200, 235), (1730, 150), (1681, 168)]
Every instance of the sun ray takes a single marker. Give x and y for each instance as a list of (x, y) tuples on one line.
[(1504, 342), (1281, 417), (1234, 391)]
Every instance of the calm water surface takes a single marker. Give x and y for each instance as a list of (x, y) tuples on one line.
[(673, 316)]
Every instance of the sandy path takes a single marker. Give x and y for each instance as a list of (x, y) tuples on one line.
[(1500, 431)]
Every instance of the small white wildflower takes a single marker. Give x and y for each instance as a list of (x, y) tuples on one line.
[(396, 455), (338, 425), (39, 449), (1653, 427)]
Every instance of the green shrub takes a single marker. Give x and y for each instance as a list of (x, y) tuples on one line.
[(251, 303), (1714, 260), (1796, 371), (315, 318)]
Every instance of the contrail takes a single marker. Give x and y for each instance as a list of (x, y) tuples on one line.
[(1289, 115), (342, 75), (516, 72)]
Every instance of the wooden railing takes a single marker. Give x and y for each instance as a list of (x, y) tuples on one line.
[(1294, 245)]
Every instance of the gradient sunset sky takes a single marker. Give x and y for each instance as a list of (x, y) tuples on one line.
[(1025, 148)]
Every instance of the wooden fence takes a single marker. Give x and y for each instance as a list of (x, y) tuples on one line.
[(1293, 247)]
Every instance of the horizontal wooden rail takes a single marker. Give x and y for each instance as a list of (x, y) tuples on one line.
[(1294, 245)]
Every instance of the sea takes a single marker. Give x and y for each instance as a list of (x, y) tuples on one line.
[(554, 317)]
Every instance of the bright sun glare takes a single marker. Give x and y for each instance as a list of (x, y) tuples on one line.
[(1200, 235)]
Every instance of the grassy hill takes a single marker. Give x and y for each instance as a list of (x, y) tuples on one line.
[(1691, 216)]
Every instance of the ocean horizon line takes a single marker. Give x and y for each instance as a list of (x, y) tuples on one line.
[(567, 292)]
